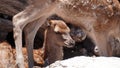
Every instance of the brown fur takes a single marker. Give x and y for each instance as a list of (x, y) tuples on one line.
[(87, 14), (105, 33), (54, 41), (37, 53)]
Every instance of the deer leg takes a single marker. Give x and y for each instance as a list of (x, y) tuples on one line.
[(102, 44), (18, 41), (30, 32), (20, 21)]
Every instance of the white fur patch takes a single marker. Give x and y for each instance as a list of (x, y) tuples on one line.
[(57, 29)]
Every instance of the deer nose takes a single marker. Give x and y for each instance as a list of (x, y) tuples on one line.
[(72, 43)]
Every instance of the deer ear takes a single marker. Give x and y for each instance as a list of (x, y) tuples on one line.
[(60, 26), (61, 30), (57, 28), (52, 23)]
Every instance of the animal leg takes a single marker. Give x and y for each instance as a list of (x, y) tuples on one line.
[(20, 21), (30, 32), (100, 41)]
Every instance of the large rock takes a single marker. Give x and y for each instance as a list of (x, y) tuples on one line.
[(87, 62)]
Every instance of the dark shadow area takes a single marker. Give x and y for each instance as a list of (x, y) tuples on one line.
[(84, 48)]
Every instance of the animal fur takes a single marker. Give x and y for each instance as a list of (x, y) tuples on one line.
[(93, 16)]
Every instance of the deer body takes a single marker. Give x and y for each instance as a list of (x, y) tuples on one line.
[(56, 36), (83, 13)]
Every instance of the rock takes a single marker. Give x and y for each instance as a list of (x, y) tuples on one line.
[(87, 62)]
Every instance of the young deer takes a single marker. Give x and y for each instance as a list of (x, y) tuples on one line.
[(56, 36), (86, 14)]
